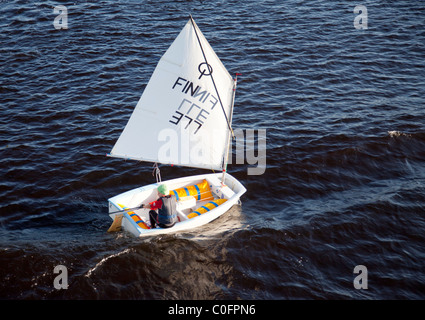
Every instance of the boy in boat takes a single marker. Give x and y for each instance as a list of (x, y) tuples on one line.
[(166, 216)]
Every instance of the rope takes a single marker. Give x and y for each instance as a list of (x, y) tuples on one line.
[(156, 172)]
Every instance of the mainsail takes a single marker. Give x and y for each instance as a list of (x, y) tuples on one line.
[(184, 114)]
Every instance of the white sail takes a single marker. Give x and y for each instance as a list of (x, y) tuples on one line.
[(183, 115)]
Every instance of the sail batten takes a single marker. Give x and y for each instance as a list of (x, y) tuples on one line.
[(179, 117)]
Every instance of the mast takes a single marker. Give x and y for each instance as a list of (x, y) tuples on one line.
[(229, 121), (226, 155)]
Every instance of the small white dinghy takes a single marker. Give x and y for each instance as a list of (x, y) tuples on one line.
[(183, 118), (192, 211)]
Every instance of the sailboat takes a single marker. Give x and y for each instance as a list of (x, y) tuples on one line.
[(183, 118)]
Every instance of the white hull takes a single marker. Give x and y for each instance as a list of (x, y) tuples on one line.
[(232, 191)]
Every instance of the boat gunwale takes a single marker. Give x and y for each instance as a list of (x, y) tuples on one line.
[(198, 221)]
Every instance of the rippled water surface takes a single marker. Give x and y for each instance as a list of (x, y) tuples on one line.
[(343, 110)]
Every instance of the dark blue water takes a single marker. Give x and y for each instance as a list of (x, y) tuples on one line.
[(344, 185)]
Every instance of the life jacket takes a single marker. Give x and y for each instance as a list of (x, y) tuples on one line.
[(167, 214)]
